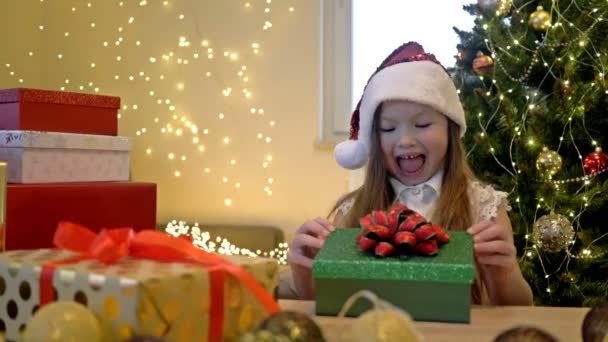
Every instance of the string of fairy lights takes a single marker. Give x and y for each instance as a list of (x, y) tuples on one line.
[(187, 52), (534, 99), (217, 244), (158, 76)]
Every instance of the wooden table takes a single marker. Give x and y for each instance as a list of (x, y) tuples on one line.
[(486, 322)]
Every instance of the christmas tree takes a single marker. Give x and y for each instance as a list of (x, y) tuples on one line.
[(532, 79)]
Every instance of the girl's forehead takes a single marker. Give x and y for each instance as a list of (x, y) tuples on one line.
[(405, 109)]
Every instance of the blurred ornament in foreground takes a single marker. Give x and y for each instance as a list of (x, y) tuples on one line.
[(525, 334), (595, 324), (383, 323), (62, 321)]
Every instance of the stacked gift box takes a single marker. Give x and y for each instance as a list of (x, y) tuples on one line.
[(66, 162), (68, 175)]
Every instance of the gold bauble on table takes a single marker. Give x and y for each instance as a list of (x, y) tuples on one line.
[(285, 326), (295, 325), (548, 162), (540, 20), (497, 7), (383, 323), (552, 233), (525, 333), (62, 321)]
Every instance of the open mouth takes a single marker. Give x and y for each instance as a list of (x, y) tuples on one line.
[(410, 163)]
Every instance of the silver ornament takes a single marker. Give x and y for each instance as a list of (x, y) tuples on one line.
[(552, 233)]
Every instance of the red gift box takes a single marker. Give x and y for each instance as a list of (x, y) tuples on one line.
[(58, 111), (34, 210)]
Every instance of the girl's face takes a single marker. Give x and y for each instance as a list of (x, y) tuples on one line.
[(414, 140)]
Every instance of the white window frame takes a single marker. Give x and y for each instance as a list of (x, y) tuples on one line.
[(336, 72)]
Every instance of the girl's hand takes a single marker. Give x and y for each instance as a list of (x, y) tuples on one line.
[(493, 244), (497, 257), (309, 238)]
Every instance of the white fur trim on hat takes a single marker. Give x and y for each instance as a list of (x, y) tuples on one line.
[(351, 154), (423, 82)]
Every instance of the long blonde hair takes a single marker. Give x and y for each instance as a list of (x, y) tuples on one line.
[(376, 192)]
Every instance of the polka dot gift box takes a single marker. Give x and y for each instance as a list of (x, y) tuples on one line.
[(134, 296)]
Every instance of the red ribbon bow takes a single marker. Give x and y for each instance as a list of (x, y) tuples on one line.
[(110, 245)]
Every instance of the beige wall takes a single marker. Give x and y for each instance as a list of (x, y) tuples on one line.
[(19, 22), (284, 79)]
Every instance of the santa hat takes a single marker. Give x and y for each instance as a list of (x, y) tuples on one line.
[(409, 74)]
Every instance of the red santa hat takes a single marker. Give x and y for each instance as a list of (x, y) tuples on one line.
[(409, 73)]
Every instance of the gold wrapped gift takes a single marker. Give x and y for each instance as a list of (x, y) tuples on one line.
[(133, 296)]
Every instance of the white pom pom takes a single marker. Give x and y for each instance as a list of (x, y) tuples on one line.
[(351, 154)]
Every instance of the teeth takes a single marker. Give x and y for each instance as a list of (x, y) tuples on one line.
[(408, 157)]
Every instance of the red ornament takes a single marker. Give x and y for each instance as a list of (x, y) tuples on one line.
[(595, 162), (400, 231)]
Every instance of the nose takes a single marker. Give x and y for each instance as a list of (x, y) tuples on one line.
[(407, 140)]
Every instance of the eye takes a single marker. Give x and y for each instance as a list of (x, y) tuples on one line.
[(423, 125), (388, 129)]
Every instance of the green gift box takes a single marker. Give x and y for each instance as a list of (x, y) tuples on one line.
[(429, 288)]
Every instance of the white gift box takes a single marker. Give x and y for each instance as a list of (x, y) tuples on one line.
[(49, 157)]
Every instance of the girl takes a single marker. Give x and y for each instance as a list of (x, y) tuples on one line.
[(407, 129)]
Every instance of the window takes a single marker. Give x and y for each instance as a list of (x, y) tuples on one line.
[(356, 35)]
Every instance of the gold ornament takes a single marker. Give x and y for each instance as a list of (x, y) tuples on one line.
[(548, 162), (483, 64), (525, 333), (552, 233), (384, 323), (498, 7), (297, 326), (62, 321), (540, 20)]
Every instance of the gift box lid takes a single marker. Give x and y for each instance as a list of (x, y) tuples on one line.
[(59, 97), (37, 139), (340, 258)]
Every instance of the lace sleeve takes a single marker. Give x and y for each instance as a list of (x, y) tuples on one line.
[(486, 201)]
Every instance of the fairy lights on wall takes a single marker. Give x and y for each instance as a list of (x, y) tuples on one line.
[(121, 53), (205, 241)]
